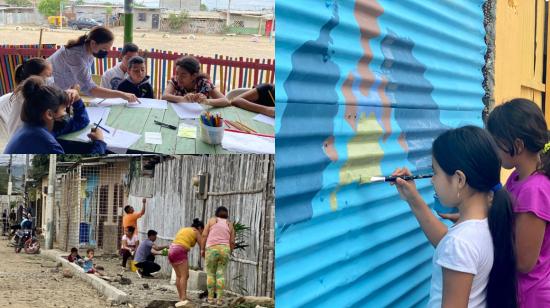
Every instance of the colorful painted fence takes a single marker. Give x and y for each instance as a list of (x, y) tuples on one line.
[(227, 72)]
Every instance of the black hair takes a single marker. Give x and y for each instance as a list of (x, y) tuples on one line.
[(30, 67), (473, 151), (521, 119), (222, 212), (197, 224), (129, 47), (98, 34), (89, 250), (38, 98), (74, 250), (192, 66), (135, 60), (151, 233), (131, 229), (127, 209)]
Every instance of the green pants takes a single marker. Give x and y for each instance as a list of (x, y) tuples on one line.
[(217, 257)]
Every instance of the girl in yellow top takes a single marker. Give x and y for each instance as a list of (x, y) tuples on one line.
[(185, 239)]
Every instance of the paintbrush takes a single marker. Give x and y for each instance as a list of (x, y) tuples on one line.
[(404, 177)]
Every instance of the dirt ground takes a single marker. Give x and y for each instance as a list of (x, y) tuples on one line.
[(203, 45), (143, 291), (32, 281)]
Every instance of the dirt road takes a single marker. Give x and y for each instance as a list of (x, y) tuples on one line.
[(202, 45), (32, 281)]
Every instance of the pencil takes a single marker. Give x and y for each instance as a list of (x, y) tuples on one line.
[(271, 95), (247, 127)]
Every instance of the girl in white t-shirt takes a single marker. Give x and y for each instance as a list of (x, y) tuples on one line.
[(474, 263), (129, 244)]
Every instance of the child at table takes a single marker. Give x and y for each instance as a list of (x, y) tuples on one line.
[(137, 82), (44, 116), (260, 99), (192, 85)]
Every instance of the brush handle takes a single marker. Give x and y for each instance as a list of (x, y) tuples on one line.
[(408, 177)]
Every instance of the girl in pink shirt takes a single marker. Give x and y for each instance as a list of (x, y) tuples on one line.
[(521, 134), (220, 242)]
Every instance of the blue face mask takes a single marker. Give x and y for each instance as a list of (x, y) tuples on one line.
[(440, 208)]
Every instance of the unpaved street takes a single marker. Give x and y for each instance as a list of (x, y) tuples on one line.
[(32, 281)]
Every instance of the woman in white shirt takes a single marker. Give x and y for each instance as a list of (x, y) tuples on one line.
[(474, 263), (129, 244), (72, 64)]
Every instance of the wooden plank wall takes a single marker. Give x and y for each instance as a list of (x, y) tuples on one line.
[(174, 205)]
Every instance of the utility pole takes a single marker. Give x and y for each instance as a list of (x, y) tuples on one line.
[(50, 201), (228, 13), (128, 21), (25, 179), (9, 183)]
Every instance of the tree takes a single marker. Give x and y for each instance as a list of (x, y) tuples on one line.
[(41, 163), (176, 21), (50, 7), (79, 2), (204, 7), (19, 2)]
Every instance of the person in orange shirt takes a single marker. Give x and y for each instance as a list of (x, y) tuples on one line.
[(130, 219)]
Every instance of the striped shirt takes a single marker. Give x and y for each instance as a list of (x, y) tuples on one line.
[(73, 66)]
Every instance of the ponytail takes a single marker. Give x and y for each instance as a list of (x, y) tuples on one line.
[(30, 67), (81, 40), (98, 34), (502, 286), (38, 98)]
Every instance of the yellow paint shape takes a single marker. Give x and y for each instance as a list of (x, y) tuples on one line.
[(364, 152), (364, 155)]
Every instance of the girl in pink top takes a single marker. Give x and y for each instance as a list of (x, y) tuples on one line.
[(521, 133), (220, 242)]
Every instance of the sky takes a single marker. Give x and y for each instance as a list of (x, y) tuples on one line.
[(16, 160)]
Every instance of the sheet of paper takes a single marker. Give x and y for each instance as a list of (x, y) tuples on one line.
[(187, 131), (264, 119), (149, 103), (153, 137), (188, 110), (101, 102), (117, 140), (248, 143), (97, 113)]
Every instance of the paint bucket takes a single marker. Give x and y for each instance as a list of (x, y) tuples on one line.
[(133, 267), (211, 134), (440, 208)]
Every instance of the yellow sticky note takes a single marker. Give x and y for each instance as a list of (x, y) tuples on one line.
[(187, 131)]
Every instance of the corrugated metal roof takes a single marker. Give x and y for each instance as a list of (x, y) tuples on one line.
[(364, 87)]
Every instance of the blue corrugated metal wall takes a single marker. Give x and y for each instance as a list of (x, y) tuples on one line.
[(364, 87)]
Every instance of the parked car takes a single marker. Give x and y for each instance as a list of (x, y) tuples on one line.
[(84, 23)]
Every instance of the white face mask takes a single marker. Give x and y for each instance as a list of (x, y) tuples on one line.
[(50, 81)]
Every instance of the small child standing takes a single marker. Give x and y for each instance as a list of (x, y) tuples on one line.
[(137, 82), (521, 133)]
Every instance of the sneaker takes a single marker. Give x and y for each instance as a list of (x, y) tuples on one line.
[(147, 275), (139, 273)]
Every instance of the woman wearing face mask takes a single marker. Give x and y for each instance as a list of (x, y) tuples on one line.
[(72, 64), (44, 117), (11, 103)]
